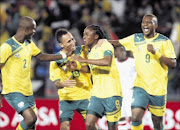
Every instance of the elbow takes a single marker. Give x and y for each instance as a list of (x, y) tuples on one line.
[(108, 64), (40, 59), (173, 64)]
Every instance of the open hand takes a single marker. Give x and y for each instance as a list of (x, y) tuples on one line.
[(70, 83)]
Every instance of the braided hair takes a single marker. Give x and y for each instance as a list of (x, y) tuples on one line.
[(98, 31)]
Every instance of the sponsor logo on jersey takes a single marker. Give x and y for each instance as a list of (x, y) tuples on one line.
[(17, 55), (21, 104)]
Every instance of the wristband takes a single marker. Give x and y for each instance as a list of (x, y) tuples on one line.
[(78, 67), (64, 56), (158, 54)]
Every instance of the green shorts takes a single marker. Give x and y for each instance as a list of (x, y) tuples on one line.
[(66, 109), (20, 102), (111, 107), (156, 104)]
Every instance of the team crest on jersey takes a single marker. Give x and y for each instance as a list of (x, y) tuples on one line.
[(17, 55)]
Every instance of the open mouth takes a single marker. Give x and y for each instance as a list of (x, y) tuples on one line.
[(146, 29)]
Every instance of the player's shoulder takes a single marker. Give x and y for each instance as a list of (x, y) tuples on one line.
[(161, 37), (107, 44), (79, 49), (11, 43)]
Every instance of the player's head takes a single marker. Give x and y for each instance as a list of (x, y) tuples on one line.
[(65, 39), (92, 34), (149, 25), (120, 53), (28, 26)]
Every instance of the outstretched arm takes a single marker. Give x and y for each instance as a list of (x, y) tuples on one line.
[(52, 57), (106, 61), (48, 57), (115, 43)]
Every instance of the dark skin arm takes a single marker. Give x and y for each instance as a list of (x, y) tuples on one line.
[(115, 43), (51, 57), (167, 61), (106, 61), (48, 57)]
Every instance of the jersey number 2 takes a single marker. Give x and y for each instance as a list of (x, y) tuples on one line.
[(25, 61)]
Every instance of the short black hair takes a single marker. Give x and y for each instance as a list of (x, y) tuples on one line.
[(59, 33), (155, 19), (98, 30)]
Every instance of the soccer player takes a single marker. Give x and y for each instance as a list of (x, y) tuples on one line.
[(106, 96), (153, 54), (73, 86), (15, 62), (127, 72)]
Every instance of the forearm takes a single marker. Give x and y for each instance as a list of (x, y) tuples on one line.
[(99, 62), (59, 85), (48, 57), (115, 43), (168, 61)]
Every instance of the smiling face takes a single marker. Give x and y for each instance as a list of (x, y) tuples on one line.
[(148, 26), (89, 37), (68, 42)]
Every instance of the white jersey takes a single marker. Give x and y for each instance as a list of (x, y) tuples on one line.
[(127, 73)]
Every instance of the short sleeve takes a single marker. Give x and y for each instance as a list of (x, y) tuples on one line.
[(5, 52), (128, 42), (169, 50), (54, 71), (35, 49)]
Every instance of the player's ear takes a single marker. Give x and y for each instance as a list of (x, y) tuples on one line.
[(61, 44), (156, 26), (96, 36)]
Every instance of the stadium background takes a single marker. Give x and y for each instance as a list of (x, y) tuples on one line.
[(118, 18)]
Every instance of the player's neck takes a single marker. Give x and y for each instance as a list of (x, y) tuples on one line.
[(19, 38), (151, 36), (65, 51)]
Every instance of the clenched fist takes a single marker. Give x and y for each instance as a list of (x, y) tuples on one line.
[(151, 49)]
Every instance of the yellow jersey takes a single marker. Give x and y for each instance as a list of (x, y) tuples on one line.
[(151, 73), (106, 80), (16, 71), (58, 72)]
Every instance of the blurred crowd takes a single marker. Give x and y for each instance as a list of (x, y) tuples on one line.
[(118, 18)]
